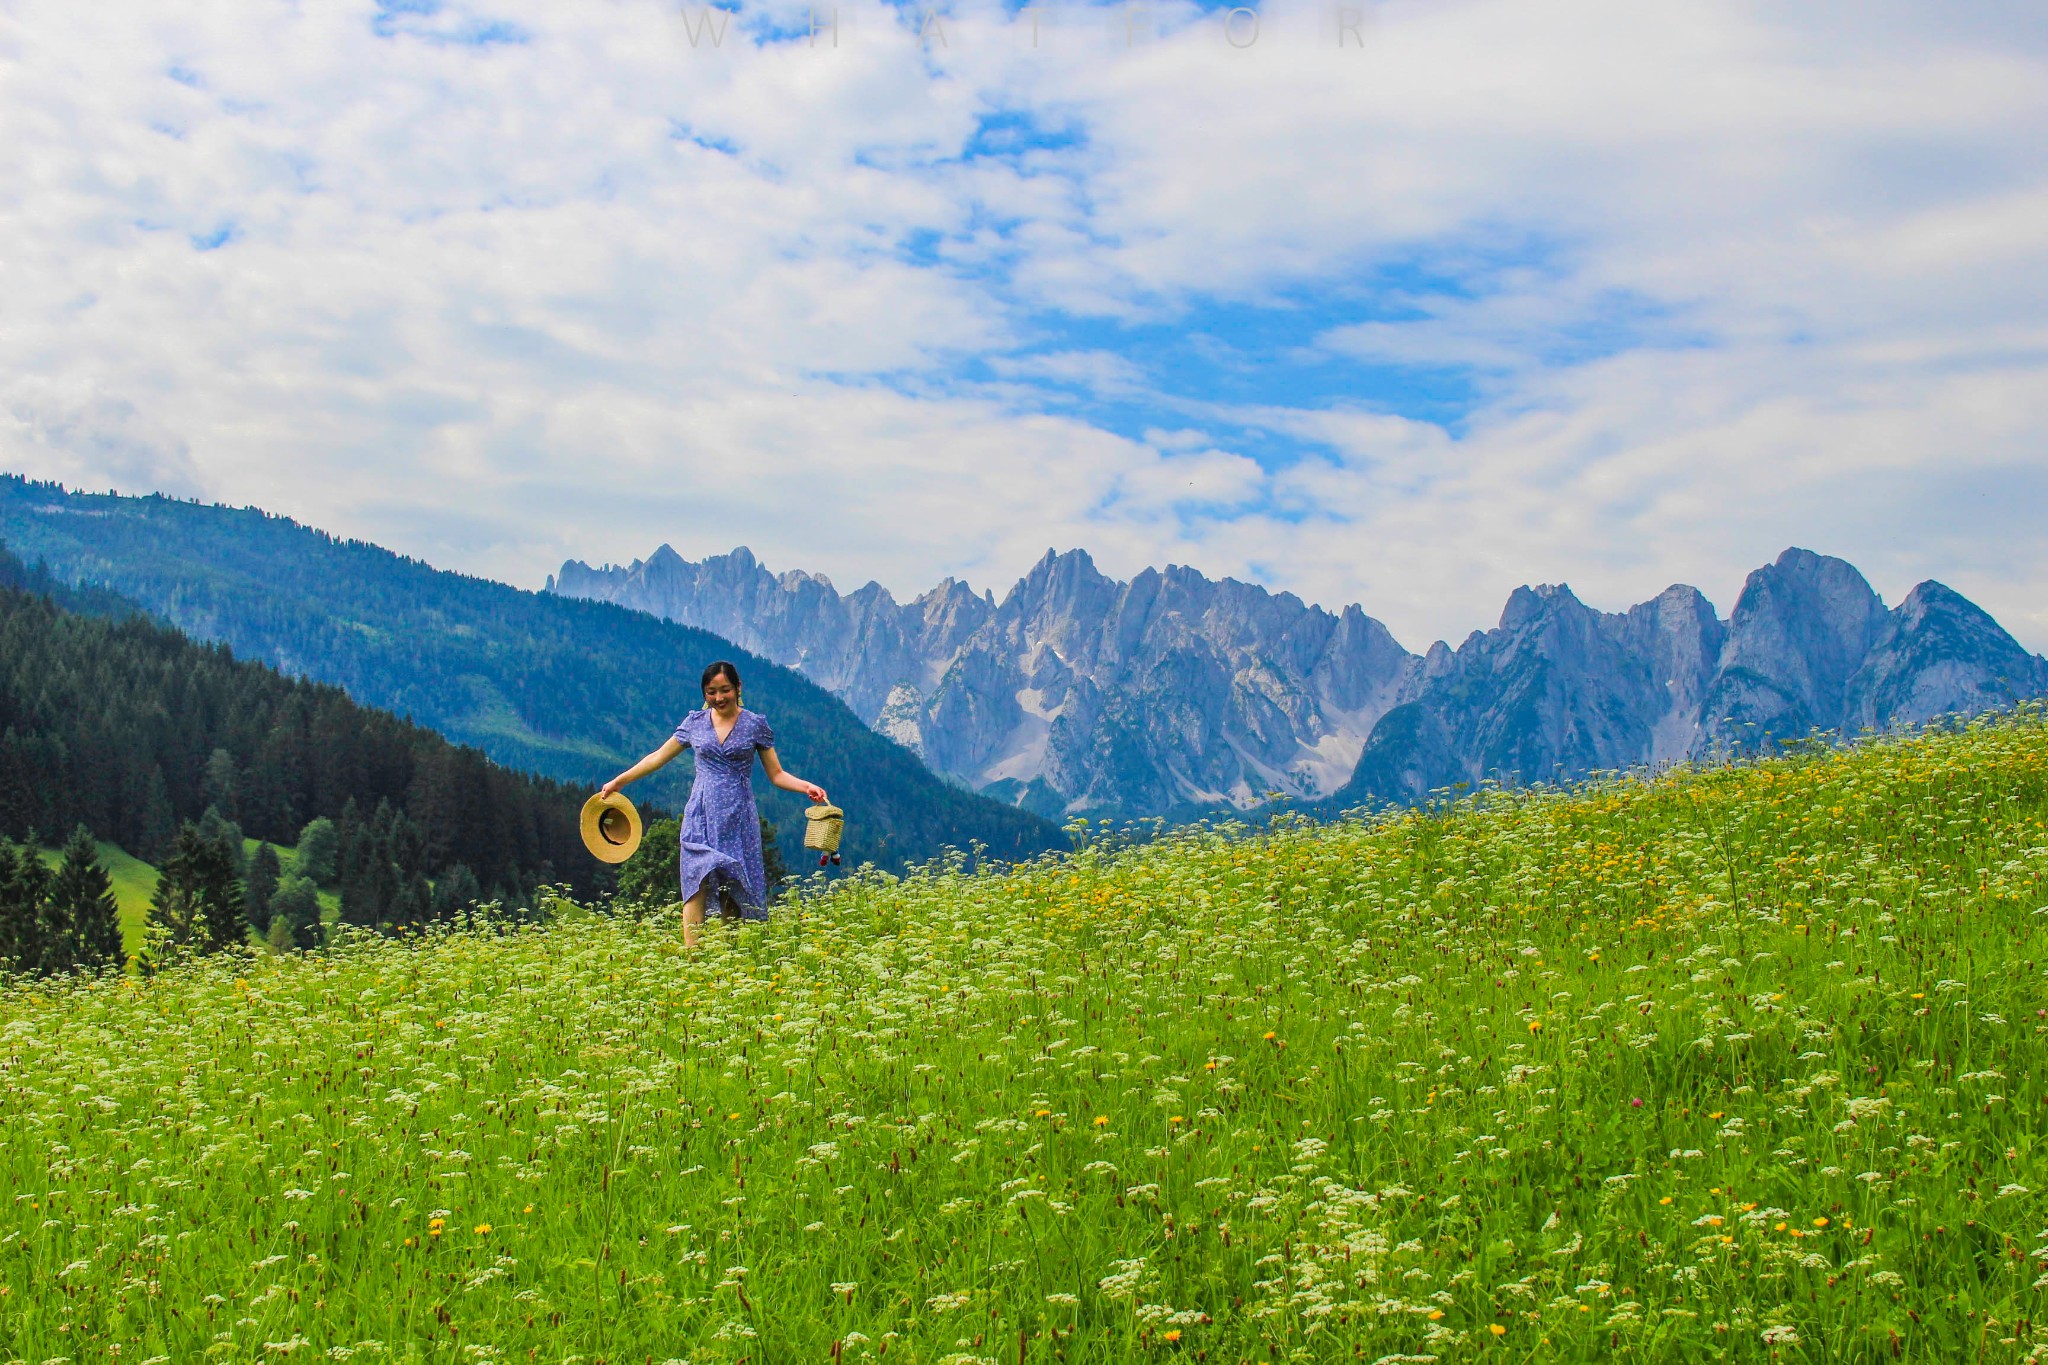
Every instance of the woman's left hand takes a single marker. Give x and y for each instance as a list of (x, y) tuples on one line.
[(816, 793)]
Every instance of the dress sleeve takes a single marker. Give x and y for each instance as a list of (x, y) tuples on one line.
[(764, 733), (683, 731)]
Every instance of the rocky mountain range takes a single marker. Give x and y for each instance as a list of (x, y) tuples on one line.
[(1172, 692)]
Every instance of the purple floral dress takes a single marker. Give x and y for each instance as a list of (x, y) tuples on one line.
[(721, 828)]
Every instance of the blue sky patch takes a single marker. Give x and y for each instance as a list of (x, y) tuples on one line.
[(682, 132), (1012, 134), (402, 18)]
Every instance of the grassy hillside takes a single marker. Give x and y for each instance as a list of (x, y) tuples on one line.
[(135, 882), (1742, 1064), (570, 689)]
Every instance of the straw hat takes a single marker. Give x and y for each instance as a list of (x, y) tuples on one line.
[(611, 827)]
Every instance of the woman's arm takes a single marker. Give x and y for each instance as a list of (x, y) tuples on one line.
[(789, 781), (645, 766)]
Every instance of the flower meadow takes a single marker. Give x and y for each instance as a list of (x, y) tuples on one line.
[(1735, 1062)]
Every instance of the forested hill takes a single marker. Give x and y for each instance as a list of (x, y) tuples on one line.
[(120, 723), (571, 689)]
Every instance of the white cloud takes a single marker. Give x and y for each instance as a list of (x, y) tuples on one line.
[(1731, 277), (75, 431), (1104, 373)]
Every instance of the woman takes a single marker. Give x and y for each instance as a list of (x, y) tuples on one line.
[(721, 828)]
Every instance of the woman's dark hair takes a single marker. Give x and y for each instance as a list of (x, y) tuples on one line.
[(713, 670)]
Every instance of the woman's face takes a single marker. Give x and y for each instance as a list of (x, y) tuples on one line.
[(721, 696)]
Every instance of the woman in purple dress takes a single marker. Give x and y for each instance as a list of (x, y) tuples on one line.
[(721, 828)]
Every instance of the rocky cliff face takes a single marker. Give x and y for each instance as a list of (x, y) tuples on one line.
[(1077, 692), (1801, 627), (1560, 690), (1938, 653), (859, 646)]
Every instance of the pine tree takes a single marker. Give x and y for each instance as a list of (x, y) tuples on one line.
[(408, 844), (348, 832), (414, 904), (221, 894), (174, 908), (362, 867), (385, 886), (387, 852), (264, 870), (198, 901), (222, 783), (364, 875), (24, 885), (54, 931), (228, 835), (16, 928), (18, 784), (456, 894), (86, 895), (319, 850), (442, 804), (295, 914), (156, 822), (269, 805)]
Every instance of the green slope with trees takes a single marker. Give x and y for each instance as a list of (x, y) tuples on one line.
[(568, 688), (121, 725)]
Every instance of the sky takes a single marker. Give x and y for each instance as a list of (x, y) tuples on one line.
[(1401, 303)]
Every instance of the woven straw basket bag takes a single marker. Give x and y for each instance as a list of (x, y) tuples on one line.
[(822, 827)]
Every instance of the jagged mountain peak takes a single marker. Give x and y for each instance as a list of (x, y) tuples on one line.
[(950, 591), (1063, 599), (1801, 627), (1060, 571), (795, 580), (1216, 690), (1079, 692), (1796, 561), (1800, 579), (1939, 653), (1061, 564), (1529, 604), (1930, 597), (1680, 596)]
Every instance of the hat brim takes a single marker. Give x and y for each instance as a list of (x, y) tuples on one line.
[(603, 835)]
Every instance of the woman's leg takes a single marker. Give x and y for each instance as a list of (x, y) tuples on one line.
[(693, 917)]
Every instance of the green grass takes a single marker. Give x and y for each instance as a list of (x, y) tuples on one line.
[(1740, 1064)]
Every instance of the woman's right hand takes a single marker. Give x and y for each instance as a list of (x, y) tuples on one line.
[(610, 789)]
